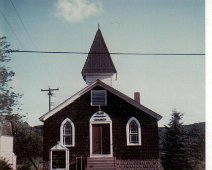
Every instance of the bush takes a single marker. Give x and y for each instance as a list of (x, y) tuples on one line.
[(4, 165), (24, 167)]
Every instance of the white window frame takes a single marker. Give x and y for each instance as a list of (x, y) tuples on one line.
[(128, 134), (105, 92), (73, 132)]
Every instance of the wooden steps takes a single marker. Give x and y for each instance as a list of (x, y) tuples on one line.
[(100, 163)]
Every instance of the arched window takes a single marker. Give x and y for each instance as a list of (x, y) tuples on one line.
[(67, 133), (133, 132)]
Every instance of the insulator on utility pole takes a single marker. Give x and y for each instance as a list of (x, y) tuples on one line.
[(50, 93)]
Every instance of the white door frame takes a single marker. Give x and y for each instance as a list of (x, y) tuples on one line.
[(100, 117)]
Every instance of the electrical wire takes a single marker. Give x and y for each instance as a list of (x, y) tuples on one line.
[(12, 30), (113, 53), (20, 19)]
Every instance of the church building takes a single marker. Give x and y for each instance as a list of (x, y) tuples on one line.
[(99, 127)]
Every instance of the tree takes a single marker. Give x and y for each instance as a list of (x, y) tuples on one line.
[(4, 165), (197, 140), (27, 143), (177, 150), (8, 98)]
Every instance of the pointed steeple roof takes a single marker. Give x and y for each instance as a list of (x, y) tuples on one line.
[(98, 59)]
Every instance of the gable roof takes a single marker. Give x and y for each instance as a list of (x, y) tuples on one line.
[(98, 59), (106, 87), (58, 147)]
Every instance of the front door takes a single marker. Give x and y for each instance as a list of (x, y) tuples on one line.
[(101, 139)]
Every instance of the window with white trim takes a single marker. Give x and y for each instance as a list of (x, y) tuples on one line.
[(67, 133), (133, 132), (98, 97)]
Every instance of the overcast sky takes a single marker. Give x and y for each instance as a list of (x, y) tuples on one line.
[(146, 26)]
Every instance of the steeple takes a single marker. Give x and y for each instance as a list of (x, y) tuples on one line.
[(98, 64)]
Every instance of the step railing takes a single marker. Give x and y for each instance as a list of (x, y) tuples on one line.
[(81, 163)]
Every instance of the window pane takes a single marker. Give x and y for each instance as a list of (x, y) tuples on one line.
[(67, 140), (133, 138), (67, 128), (133, 132), (67, 134), (133, 127)]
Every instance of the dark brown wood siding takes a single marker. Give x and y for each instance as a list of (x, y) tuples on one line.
[(120, 112)]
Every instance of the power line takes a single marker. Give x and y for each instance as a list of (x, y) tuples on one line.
[(19, 17), (113, 53), (11, 28)]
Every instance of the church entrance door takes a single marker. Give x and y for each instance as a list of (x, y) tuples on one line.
[(101, 139)]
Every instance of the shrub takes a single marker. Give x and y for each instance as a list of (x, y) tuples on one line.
[(24, 167), (4, 165)]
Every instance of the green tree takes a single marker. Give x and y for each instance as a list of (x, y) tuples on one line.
[(8, 98), (27, 143), (197, 141), (177, 150)]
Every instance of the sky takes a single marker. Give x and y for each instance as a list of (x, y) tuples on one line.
[(146, 26)]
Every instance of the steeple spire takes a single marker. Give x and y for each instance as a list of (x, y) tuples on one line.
[(99, 64)]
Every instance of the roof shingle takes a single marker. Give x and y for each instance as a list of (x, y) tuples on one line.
[(106, 87), (98, 59)]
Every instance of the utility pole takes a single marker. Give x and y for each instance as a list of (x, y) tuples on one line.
[(50, 94)]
